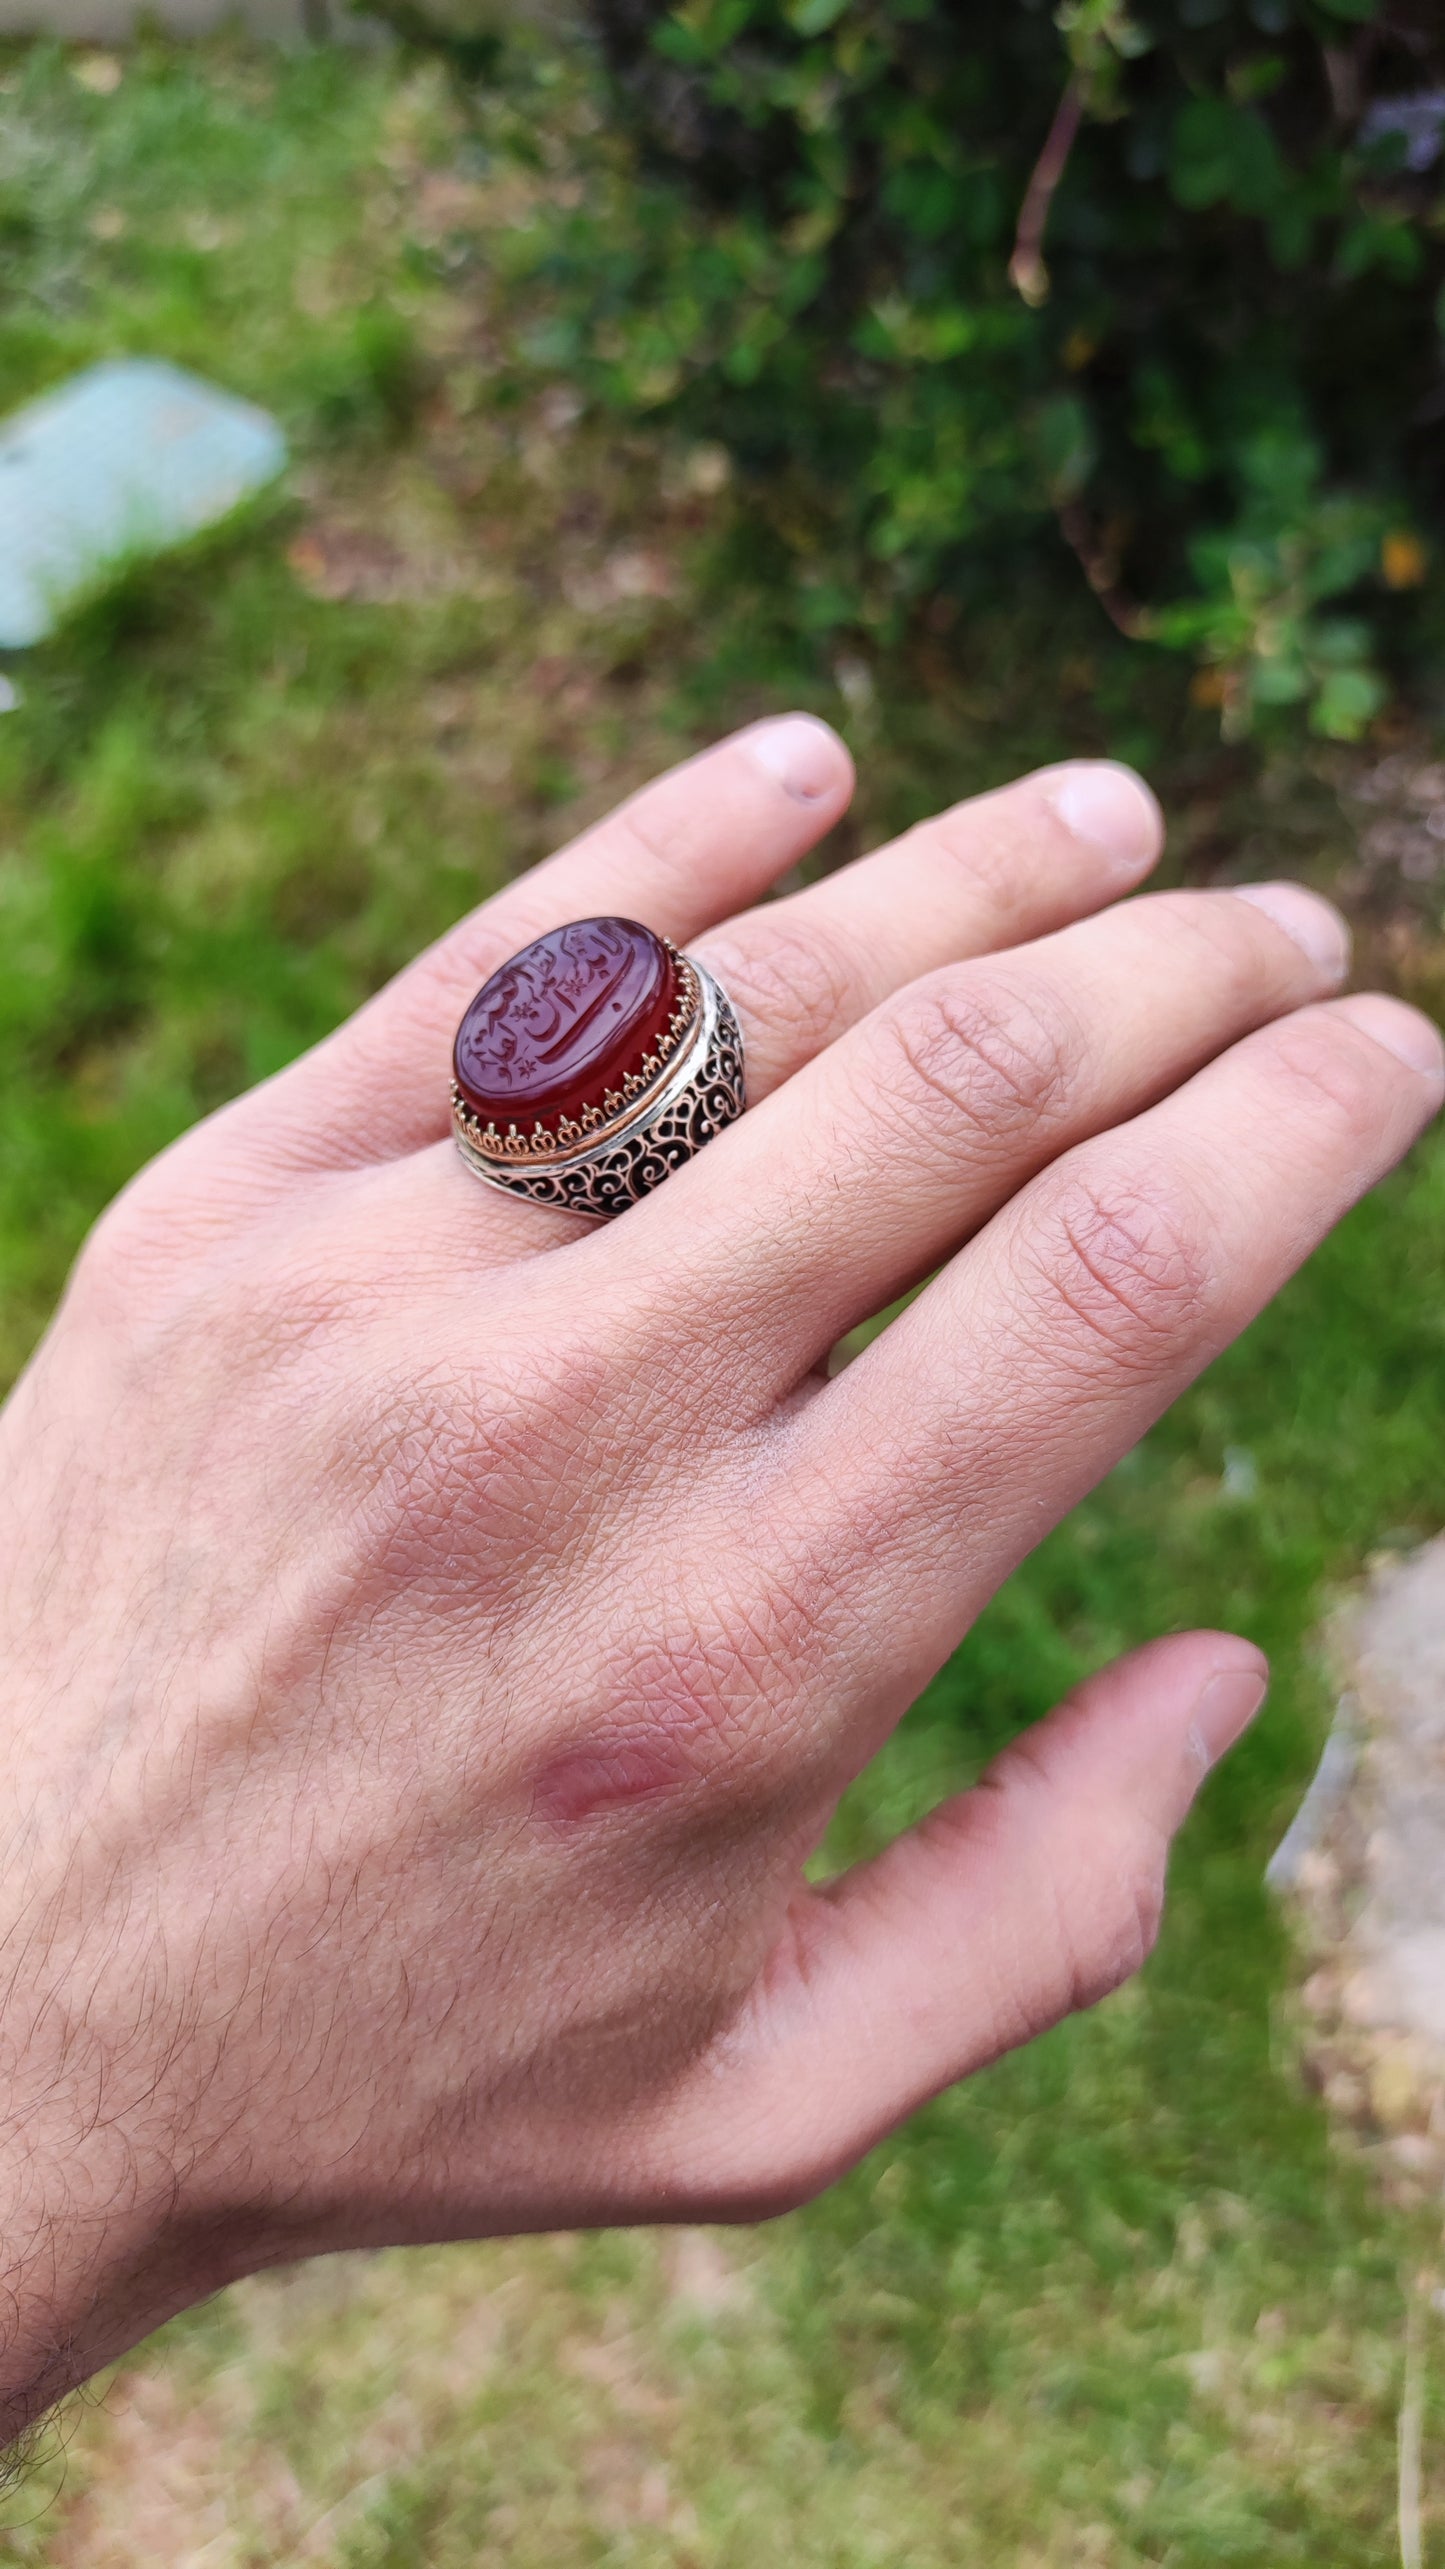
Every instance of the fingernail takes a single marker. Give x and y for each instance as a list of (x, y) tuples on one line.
[(1110, 807), (804, 755), (1314, 925), (1403, 1031), (1226, 1707)]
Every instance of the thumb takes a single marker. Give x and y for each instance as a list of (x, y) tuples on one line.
[(1032, 1895)]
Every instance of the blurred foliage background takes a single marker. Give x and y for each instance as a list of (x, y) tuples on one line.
[(965, 291), (1141, 2296)]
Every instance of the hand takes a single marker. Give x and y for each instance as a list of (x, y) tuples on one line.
[(436, 1633)]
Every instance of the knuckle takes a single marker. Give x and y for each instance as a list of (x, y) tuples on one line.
[(1128, 1259), (983, 1052), (799, 990), (144, 1259), (115, 1260), (980, 839), (792, 2168), (689, 1683), (724, 1677), (473, 1453), (659, 823), (1332, 1070), (1122, 1933), (1231, 938), (703, 1700), (1099, 1900)]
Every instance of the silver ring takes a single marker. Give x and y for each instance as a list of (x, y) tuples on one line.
[(592, 1065)]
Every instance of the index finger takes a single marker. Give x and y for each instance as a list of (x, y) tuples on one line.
[(687, 850)]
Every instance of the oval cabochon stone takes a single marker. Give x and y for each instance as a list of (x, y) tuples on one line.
[(565, 1021)]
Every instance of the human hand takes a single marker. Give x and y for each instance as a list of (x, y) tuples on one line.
[(436, 1633)]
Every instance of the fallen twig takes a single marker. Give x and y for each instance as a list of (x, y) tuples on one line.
[(1410, 2433), (1027, 272)]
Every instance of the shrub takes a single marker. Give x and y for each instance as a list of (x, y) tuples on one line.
[(1158, 286)]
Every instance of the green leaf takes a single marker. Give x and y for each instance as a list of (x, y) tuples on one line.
[(1284, 681), (1064, 434), (699, 31), (1224, 155), (1346, 703), (927, 201), (1291, 233), (814, 17), (1378, 241)]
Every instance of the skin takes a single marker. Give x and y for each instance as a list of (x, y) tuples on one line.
[(436, 1632)]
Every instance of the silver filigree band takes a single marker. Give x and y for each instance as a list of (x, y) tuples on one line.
[(699, 1091)]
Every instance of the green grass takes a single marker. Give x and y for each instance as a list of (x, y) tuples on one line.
[(1121, 2301)]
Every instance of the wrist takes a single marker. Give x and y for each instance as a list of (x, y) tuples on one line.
[(86, 2267), (98, 2244)]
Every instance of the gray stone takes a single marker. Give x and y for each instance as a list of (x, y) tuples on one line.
[(1363, 1870)]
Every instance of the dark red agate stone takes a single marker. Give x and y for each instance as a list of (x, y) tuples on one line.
[(564, 1022)]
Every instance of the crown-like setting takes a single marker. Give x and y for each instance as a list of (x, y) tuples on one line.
[(544, 1142)]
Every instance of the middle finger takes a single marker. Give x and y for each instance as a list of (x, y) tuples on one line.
[(889, 1151), (995, 871)]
